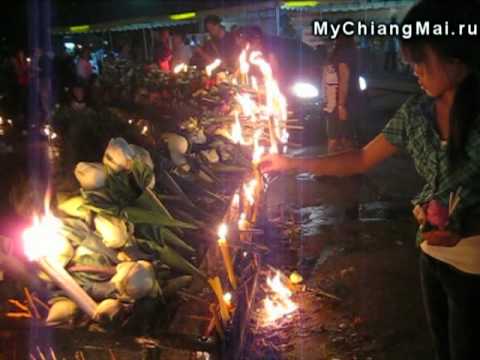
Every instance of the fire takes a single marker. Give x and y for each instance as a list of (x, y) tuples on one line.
[(242, 222), (257, 154), (210, 68), (43, 238), (244, 65), (228, 298), (249, 190), (222, 233), (179, 68), (236, 200), (237, 135), (247, 104), (254, 83), (279, 304)]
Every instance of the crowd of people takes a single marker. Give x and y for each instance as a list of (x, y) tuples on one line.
[(44, 79)]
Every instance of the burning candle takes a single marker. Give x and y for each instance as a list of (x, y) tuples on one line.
[(210, 68), (43, 244), (216, 285), (257, 156), (227, 259), (227, 297), (179, 68), (254, 83), (244, 67)]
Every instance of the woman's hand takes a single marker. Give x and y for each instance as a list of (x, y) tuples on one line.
[(441, 238), (275, 162)]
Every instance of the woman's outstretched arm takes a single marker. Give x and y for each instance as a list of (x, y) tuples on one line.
[(341, 164)]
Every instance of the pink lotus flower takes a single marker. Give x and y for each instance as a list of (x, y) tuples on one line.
[(437, 214)]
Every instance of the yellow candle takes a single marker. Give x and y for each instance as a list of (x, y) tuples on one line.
[(225, 250), (216, 285)]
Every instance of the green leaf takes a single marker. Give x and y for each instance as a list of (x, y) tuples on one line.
[(142, 173), (120, 187), (140, 216), (172, 239), (171, 258)]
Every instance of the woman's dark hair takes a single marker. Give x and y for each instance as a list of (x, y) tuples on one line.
[(212, 19), (465, 48)]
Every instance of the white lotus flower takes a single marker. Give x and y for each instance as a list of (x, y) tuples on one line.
[(118, 155), (66, 254), (135, 280), (114, 231), (73, 207), (91, 176), (142, 155), (178, 147)]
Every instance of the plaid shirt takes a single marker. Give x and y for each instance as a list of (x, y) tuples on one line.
[(412, 129)]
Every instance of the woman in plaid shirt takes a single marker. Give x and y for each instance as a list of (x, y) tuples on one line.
[(440, 130)]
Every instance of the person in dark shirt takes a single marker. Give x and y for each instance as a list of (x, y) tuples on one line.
[(221, 44), (342, 94)]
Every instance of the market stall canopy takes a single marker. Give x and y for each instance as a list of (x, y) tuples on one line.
[(130, 24), (343, 5)]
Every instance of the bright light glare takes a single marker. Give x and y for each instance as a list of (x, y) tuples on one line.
[(43, 238), (69, 46), (362, 82), (305, 90)]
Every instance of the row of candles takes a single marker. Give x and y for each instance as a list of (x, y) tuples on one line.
[(270, 117), (41, 241)]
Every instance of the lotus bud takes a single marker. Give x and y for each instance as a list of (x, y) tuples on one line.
[(66, 254), (108, 309), (114, 231), (118, 155), (73, 207), (91, 176), (135, 280), (211, 155), (62, 311), (142, 155), (177, 146)]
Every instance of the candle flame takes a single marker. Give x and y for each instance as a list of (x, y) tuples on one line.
[(242, 222), (228, 298), (244, 65), (257, 154), (237, 135), (249, 190), (279, 303), (236, 200), (43, 238), (254, 83), (247, 104), (210, 68), (179, 68), (222, 232)]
